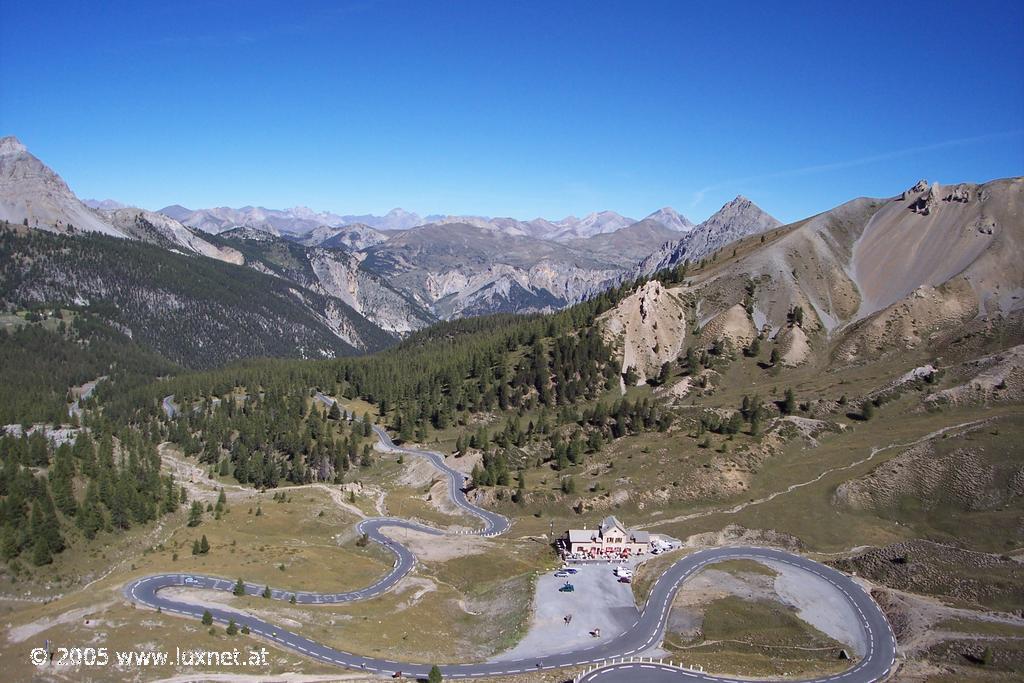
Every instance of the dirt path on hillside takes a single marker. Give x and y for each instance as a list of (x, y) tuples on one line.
[(793, 487)]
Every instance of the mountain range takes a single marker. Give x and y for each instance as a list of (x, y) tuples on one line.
[(359, 283), (400, 271), (300, 220)]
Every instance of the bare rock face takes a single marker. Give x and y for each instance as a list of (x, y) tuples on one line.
[(920, 187), (928, 202), (986, 225), (648, 326), (960, 193)]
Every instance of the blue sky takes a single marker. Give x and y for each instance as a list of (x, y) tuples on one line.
[(513, 108)]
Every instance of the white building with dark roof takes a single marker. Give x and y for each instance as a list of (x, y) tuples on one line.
[(610, 539)]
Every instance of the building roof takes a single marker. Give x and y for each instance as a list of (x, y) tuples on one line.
[(611, 522), (641, 536), (581, 535)]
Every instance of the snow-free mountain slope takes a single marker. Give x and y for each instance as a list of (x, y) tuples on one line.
[(157, 228), (104, 204), (351, 236), (31, 193), (934, 233), (627, 246), (596, 223), (671, 219), (459, 269), (333, 272), (871, 278), (735, 220)]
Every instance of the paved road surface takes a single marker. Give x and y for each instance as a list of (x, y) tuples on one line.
[(646, 633)]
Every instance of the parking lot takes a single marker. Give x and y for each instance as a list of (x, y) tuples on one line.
[(599, 601)]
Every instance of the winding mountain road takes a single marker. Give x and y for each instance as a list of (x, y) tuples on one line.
[(875, 664)]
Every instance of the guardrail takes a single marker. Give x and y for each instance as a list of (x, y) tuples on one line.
[(637, 660)]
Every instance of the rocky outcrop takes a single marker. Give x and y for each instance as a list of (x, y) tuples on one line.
[(648, 328), (927, 202), (960, 193)]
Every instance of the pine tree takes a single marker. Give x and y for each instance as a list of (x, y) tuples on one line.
[(755, 348), (789, 403), (41, 553), (196, 548), (204, 545), (435, 675), (207, 618), (239, 587), (266, 592), (195, 513), (232, 628), (665, 374)]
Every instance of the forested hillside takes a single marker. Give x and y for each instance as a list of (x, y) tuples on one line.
[(118, 481), (196, 311), (45, 353), (259, 421)]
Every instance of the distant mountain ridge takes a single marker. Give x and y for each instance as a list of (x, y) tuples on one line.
[(299, 221), (395, 273)]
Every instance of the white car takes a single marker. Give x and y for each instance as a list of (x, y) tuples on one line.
[(622, 571), (191, 580)]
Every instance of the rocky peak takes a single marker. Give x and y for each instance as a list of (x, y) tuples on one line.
[(11, 145), (921, 186), (740, 215), (671, 219)]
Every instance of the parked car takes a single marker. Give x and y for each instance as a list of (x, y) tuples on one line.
[(570, 570), (567, 588), (625, 579), (561, 574), (622, 571)]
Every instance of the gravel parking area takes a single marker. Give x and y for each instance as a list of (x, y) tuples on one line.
[(599, 602)]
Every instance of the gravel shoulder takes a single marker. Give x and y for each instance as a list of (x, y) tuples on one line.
[(819, 604)]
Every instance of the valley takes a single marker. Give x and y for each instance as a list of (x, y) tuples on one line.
[(382, 433)]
